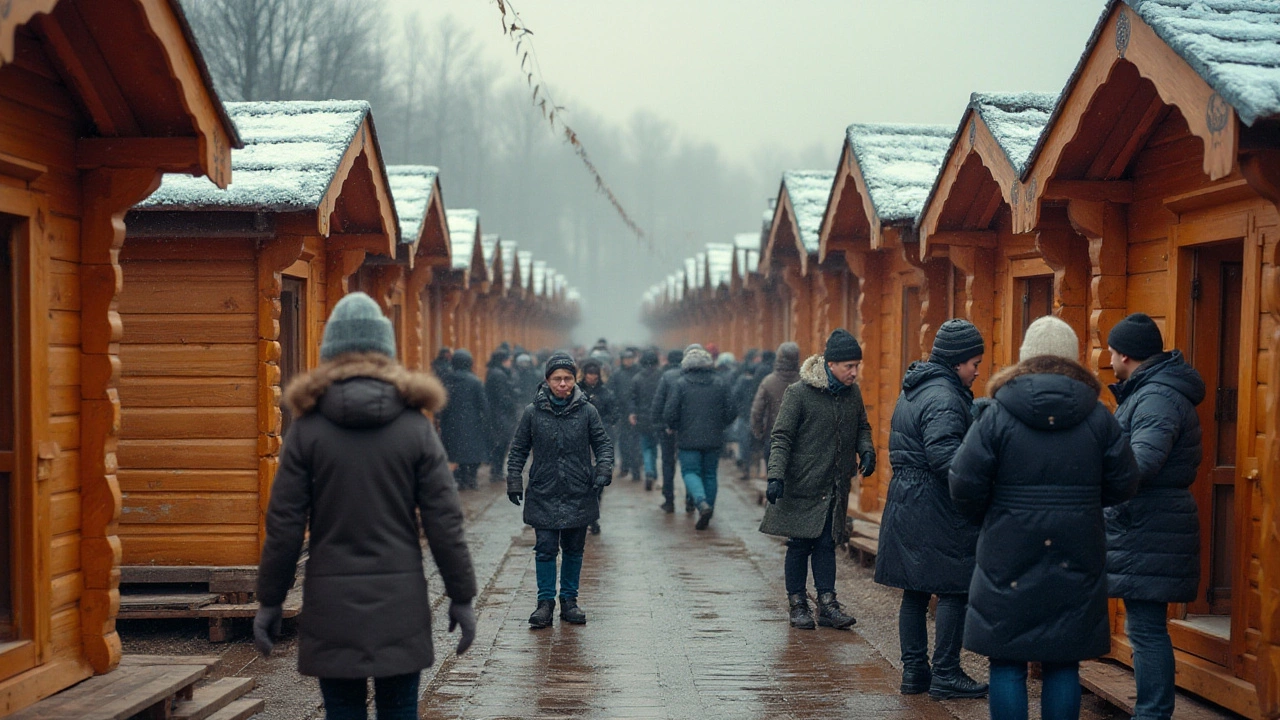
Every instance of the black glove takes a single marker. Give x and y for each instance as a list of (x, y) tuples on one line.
[(462, 615), (868, 465), (266, 627), (515, 497), (602, 480), (773, 491)]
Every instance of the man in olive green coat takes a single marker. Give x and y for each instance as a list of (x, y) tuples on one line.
[(821, 424)]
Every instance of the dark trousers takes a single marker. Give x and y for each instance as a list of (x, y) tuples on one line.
[(629, 448), (668, 442), (395, 697), (948, 631), (1146, 623), (547, 544), (465, 475), (820, 552), (1059, 690), (498, 458)]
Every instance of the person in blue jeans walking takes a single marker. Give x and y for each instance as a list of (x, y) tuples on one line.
[(564, 433), (1042, 459), (1153, 541), (698, 408), (643, 388)]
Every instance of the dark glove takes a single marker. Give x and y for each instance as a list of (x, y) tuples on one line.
[(462, 615), (515, 497), (773, 491), (868, 465), (266, 627), (602, 480)]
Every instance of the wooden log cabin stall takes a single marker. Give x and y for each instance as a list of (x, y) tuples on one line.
[(97, 100), (743, 296), (719, 266), (225, 297), (1001, 281), (467, 277), (424, 230), (1163, 154), (881, 182)]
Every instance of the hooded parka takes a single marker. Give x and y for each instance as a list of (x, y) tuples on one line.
[(1041, 461), (360, 467), (561, 494), (1153, 541), (464, 422), (926, 545), (698, 404), (768, 397), (816, 443)]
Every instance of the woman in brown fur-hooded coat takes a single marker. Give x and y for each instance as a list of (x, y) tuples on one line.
[(360, 465)]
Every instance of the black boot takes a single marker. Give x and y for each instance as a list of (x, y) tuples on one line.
[(649, 480), (800, 615), (915, 680), (688, 504), (830, 614), (704, 516), (594, 528), (571, 613), (952, 684), (541, 617), (668, 507)]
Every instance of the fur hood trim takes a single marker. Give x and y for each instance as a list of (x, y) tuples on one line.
[(1041, 365), (418, 389), (814, 372)]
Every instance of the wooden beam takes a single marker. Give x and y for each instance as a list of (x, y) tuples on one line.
[(1114, 191), (20, 168), (78, 58), (170, 154), (964, 238)]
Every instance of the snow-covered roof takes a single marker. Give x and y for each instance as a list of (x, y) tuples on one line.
[(291, 152), (463, 224), (539, 276), (899, 164), (509, 255), (809, 191), (700, 267), (1016, 120), (411, 188), (572, 295), (526, 268), (719, 263), (561, 283), (690, 272), (679, 294), (1233, 44), (488, 247), (747, 240)]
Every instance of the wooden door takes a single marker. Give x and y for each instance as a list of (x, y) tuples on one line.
[(293, 294), (911, 320), (1215, 331), (1035, 300), (9, 627)]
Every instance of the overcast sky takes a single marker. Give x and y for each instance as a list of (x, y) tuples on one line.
[(745, 73)]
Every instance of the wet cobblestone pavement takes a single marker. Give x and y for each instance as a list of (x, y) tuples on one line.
[(681, 624)]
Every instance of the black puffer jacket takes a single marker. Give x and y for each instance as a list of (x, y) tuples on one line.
[(621, 383), (464, 422), (698, 406), (360, 466), (925, 543), (606, 402), (1036, 469), (1153, 541), (561, 493), (500, 391), (643, 391)]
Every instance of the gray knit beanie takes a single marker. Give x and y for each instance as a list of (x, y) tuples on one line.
[(1049, 335), (357, 325), (957, 341)]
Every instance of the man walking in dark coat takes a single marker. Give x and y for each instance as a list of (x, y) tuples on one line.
[(601, 395), (563, 432), (642, 392), (527, 379), (1042, 460), (821, 439), (363, 472), (464, 422), (926, 546), (1153, 541), (744, 394), (698, 409), (621, 383), (667, 436), (768, 399), (500, 391)]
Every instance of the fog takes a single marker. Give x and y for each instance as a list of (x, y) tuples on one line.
[(690, 110)]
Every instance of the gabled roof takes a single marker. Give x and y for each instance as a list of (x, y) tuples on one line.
[(464, 227), (509, 262), (525, 258), (416, 191), (808, 191), (539, 277), (899, 164), (719, 264), (1015, 120)]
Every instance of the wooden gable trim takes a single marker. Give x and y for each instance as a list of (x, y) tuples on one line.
[(1208, 116), (433, 245), (363, 144), (479, 272), (783, 207), (498, 284), (849, 171), (974, 138)]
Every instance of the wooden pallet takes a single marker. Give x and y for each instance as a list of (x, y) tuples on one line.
[(1114, 683), (151, 687), (199, 605)]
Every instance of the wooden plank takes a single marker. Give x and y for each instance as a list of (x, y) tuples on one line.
[(117, 695), (189, 360), (212, 697), (1201, 678), (191, 296), (23, 690), (240, 709), (188, 423), (1114, 683), (210, 661), (185, 329), (183, 392), (144, 273), (175, 549), (1148, 293), (145, 602), (188, 508), (193, 249), (188, 480), (189, 454)]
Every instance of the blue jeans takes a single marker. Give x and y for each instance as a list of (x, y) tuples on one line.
[(649, 450), (1147, 626), (395, 696), (698, 468), (546, 545), (1059, 692)]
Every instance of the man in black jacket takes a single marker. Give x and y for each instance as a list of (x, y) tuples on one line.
[(698, 408), (621, 382), (667, 436), (1153, 541), (499, 389), (643, 389)]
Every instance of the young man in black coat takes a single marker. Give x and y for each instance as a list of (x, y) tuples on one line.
[(1042, 460), (621, 383), (363, 472), (500, 391), (642, 392), (563, 432), (601, 395), (667, 436), (1153, 541), (464, 422), (926, 545), (698, 409)]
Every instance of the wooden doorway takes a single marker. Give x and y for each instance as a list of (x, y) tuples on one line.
[(293, 321), (911, 321), (1034, 296), (9, 626)]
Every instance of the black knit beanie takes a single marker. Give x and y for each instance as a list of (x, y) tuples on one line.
[(591, 366), (842, 347), (674, 357), (1137, 336), (561, 361), (957, 341)]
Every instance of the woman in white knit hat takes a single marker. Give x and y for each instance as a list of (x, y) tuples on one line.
[(1040, 462)]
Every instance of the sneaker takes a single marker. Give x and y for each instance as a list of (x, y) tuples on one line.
[(704, 515), (541, 618), (571, 613)]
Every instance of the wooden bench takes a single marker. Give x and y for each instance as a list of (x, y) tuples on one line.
[(1114, 683)]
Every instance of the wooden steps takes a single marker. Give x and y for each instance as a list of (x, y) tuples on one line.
[(1114, 683), (151, 686)]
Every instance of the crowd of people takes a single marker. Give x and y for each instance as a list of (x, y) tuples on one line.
[(1021, 512)]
